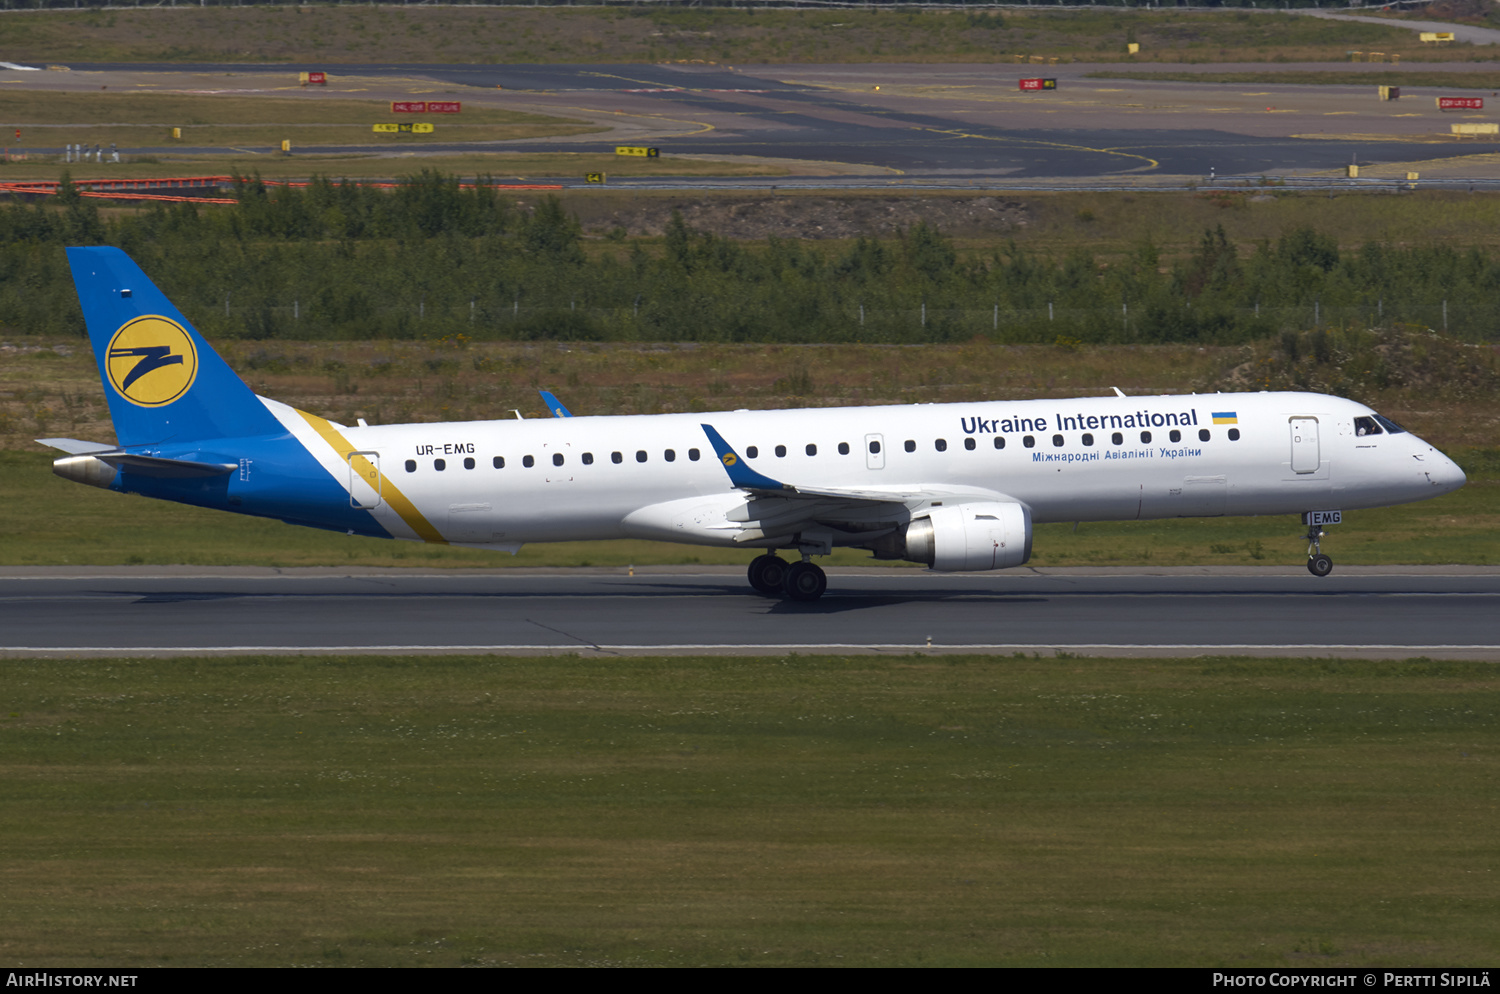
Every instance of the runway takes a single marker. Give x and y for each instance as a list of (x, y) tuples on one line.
[(1359, 612)]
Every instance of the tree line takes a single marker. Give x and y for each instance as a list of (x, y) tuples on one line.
[(434, 258)]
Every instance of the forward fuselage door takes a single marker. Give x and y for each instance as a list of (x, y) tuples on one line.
[(364, 480), (874, 452), (1306, 456)]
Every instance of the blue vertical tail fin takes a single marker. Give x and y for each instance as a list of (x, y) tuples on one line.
[(164, 383)]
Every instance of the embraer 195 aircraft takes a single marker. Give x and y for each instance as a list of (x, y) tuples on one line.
[(955, 486)]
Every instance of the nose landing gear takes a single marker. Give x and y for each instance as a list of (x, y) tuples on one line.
[(1319, 564)]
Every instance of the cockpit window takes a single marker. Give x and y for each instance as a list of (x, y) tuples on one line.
[(1366, 426), (1390, 425)]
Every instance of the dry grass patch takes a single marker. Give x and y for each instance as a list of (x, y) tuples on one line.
[(133, 120), (361, 34)]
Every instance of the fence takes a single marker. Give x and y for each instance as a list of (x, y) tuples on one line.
[(507, 320)]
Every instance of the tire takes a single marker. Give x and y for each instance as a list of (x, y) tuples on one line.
[(805, 582), (1320, 565), (768, 575)]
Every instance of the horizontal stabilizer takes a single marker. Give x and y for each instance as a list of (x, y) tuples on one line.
[(76, 446)]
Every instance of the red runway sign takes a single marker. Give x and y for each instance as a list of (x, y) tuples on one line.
[(425, 106), (1038, 84), (1460, 103)]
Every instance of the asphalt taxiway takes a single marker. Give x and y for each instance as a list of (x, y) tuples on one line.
[(1360, 612), (954, 123)]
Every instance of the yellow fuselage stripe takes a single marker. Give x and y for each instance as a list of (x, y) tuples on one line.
[(387, 489)]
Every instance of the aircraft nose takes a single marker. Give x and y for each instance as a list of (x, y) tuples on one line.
[(1444, 472)]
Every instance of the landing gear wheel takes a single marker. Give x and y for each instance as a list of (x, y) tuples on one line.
[(1319, 565), (768, 575), (805, 582)]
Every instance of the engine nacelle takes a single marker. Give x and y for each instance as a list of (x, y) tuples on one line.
[(977, 536)]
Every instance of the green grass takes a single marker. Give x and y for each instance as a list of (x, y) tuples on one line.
[(909, 811), (51, 521)]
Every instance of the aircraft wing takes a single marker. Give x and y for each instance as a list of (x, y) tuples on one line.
[(781, 513)]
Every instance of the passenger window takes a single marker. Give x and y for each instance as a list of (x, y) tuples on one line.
[(752, 452), (439, 464), (1145, 438), (781, 452), (557, 458), (1204, 434), (528, 462), (1366, 426), (640, 455), (941, 445), (999, 441), (1175, 435), (670, 455), (874, 448), (1029, 441), (616, 458), (411, 465), (812, 449), (969, 443), (498, 462), (588, 459), (469, 462), (693, 455), (1057, 441), (1234, 434), (910, 446), (843, 448), (1117, 438), (1088, 439)]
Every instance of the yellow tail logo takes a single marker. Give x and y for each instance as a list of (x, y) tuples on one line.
[(151, 361)]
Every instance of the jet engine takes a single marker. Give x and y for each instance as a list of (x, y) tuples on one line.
[(977, 536)]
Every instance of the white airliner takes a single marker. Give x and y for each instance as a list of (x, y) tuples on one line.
[(955, 486)]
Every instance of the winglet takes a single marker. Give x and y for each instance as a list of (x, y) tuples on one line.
[(740, 474), (554, 405)]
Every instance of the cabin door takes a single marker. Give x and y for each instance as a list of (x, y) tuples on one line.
[(1306, 456), (364, 479)]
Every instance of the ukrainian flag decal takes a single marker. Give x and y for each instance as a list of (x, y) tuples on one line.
[(1226, 418), (151, 361)]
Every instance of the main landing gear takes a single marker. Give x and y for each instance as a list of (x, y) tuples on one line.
[(775, 577)]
